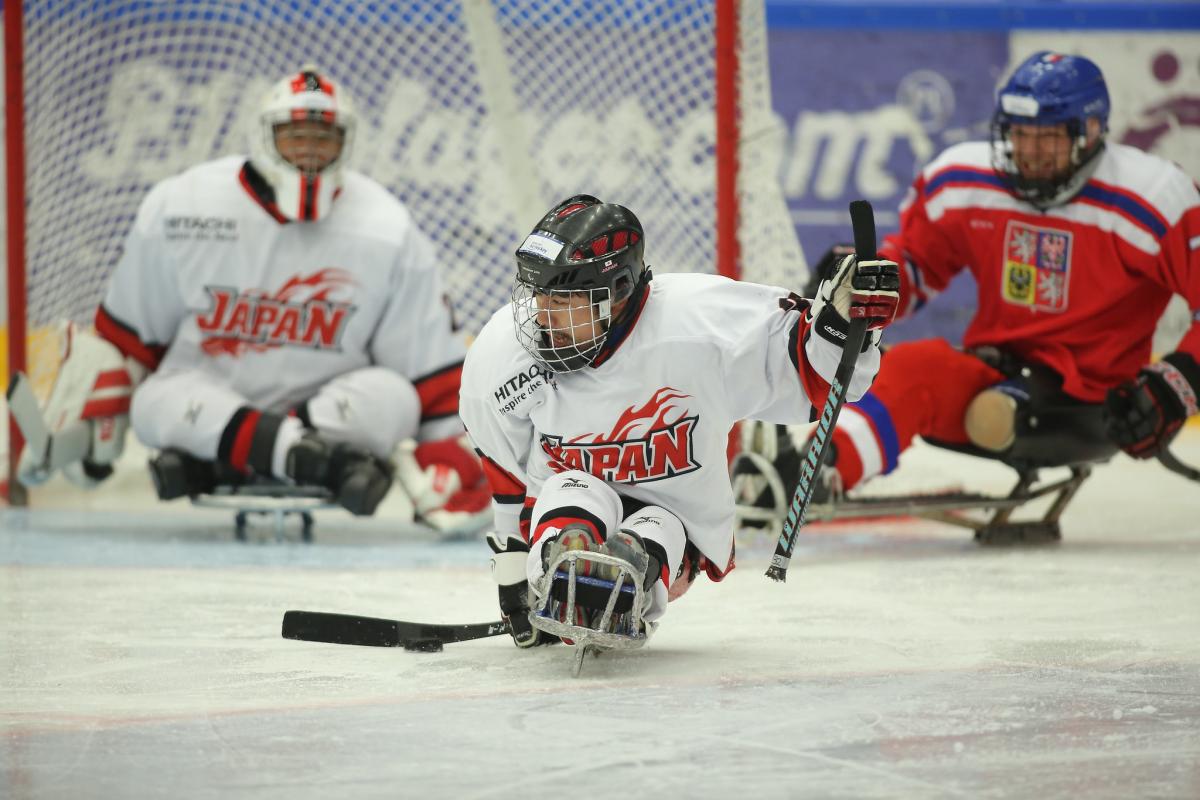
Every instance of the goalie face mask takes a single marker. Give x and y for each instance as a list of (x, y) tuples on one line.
[(304, 138), (311, 146)]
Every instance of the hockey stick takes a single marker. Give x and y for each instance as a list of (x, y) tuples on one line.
[(1168, 460), (863, 220), (54, 450), (320, 626)]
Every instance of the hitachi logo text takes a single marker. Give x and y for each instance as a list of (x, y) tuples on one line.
[(516, 382), (201, 229), (202, 223)]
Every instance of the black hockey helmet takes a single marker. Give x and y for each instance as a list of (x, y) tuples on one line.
[(582, 245)]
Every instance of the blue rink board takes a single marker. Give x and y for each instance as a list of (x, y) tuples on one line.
[(901, 14), (980, 15)]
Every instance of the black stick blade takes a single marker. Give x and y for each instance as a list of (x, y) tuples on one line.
[(318, 626), (322, 626)]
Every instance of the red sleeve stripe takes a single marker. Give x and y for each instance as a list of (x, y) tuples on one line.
[(505, 486), (127, 341), (241, 444), (112, 378), (816, 387), (438, 392), (105, 407)]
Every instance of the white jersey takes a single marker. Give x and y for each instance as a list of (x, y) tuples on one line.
[(652, 420), (213, 278)]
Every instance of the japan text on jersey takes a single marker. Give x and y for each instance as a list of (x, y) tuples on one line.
[(299, 314), (646, 443)]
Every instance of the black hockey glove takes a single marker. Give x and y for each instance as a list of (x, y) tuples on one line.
[(1143, 416), (857, 290), (508, 568)]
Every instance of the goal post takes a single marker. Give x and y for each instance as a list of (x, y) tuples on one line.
[(478, 114), (14, 162)]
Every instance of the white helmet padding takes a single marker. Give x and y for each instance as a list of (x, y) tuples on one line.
[(307, 95)]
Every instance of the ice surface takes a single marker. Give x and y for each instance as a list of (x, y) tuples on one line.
[(140, 657)]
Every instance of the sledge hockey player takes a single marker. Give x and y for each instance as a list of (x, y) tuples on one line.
[(601, 401), (277, 317), (1076, 245)]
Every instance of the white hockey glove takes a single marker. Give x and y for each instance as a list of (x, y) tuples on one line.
[(857, 290), (508, 569), (445, 482), (94, 386)]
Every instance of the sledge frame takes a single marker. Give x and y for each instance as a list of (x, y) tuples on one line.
[(989, 516), (277, 502)]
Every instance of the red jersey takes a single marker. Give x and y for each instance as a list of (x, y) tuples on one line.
[(1079, 287)]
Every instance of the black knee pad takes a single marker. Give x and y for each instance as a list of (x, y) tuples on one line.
[(1052, 428)]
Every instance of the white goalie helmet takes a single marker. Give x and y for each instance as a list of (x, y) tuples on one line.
[(314, 120)]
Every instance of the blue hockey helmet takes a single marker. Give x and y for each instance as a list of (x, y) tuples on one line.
[(1052, 89)]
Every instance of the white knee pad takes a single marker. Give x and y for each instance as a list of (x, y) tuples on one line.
[(659, 528), (571, 496), (374, 408), (186, 409)]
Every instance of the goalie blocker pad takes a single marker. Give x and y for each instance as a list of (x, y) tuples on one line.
[(87, 414)]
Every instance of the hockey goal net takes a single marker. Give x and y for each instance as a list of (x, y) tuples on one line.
[(477, 113)]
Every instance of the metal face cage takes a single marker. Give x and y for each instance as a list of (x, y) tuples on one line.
[(562, 329)]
